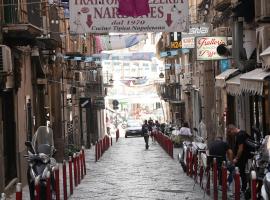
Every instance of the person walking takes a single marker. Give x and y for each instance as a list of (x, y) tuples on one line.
[(145, 130), (240, 151)]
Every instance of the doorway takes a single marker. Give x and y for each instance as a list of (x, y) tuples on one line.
[(9, 136)]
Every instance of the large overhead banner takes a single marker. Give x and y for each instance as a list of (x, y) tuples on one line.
[(100, 16)]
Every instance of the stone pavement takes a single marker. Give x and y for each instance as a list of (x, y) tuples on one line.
[(128, 171)]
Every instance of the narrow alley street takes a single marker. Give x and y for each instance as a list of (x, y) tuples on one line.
[(128, 171)]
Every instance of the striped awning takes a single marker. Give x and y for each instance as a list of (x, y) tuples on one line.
[(252, 82), (233, 85), (221, 78), (265, 55)]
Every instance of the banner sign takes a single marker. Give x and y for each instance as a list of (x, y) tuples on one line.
[(195, 30), (101, 16), (207, 47)]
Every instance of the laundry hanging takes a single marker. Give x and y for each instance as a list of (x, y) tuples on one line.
[(133, 8)]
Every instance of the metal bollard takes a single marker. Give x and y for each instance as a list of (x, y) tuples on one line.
[(65, 179), (78, 168), (111, 141), (19, 191), (48, 186), (70, 175), (215, 179), (37, 188), (237, 184), (253, 185), (75, 170), (224, 181), (99, 149), (57, 182)]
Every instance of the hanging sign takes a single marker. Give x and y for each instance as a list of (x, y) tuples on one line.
[(207, 47), (101, 16)]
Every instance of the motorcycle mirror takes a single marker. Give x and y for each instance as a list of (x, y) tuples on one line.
[(29, 145)]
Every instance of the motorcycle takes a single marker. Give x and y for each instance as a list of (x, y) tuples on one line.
[(196, 147), (40, 160), (261, 165)]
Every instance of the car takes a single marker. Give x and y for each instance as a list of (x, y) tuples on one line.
[(134, 128)]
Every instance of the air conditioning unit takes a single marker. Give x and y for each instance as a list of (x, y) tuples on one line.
[(263, 40), (5, 59), (262, 10)]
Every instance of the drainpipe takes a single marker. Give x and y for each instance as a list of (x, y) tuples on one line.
[(29, 119), (237, 42)]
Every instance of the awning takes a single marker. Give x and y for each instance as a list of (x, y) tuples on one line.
[(233, 85), (265, 55), (221, 78), (252, 82)]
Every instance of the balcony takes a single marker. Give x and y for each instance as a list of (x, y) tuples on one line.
[(221, 5), (21, 23)]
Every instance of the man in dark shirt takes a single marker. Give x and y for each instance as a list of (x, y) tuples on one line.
[(219, 149), (240, 152)]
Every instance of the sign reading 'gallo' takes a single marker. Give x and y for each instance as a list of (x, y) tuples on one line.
[(207, 47)]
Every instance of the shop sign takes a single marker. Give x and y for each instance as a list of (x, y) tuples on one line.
[(99, 103), (206, 47), (101, 17), (195, 30)]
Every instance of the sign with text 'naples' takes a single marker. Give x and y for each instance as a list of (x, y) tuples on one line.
[(101, 16)]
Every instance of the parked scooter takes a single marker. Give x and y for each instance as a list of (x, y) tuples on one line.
[(40, 160), (197, 146)]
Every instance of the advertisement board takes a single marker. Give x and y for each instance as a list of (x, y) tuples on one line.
[(195, 30), (101, 16), (206, 47)]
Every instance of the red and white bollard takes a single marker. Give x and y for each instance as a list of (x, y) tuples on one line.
[(70, 175), (215, 179), (57, 182), (237, 184), (82, 165), (224, 181), (48, 186), (83, 157), (75, 170), (253, 185), (96, 152), (65, 179), (37, 188), (78, 168), (19, 191)]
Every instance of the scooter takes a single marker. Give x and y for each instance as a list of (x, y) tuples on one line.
[(40, 160), (196, 147)]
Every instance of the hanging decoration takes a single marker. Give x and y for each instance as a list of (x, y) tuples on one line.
[(133, 8), (113, 42)]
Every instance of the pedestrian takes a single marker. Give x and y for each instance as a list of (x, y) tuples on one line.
[(220, 150), (240, 151), (185, 130), (145, 130), (150, 128)]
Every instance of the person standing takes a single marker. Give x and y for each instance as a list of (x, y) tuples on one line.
[(220, 150), (145, 130), (185, 130), (240, 151)]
